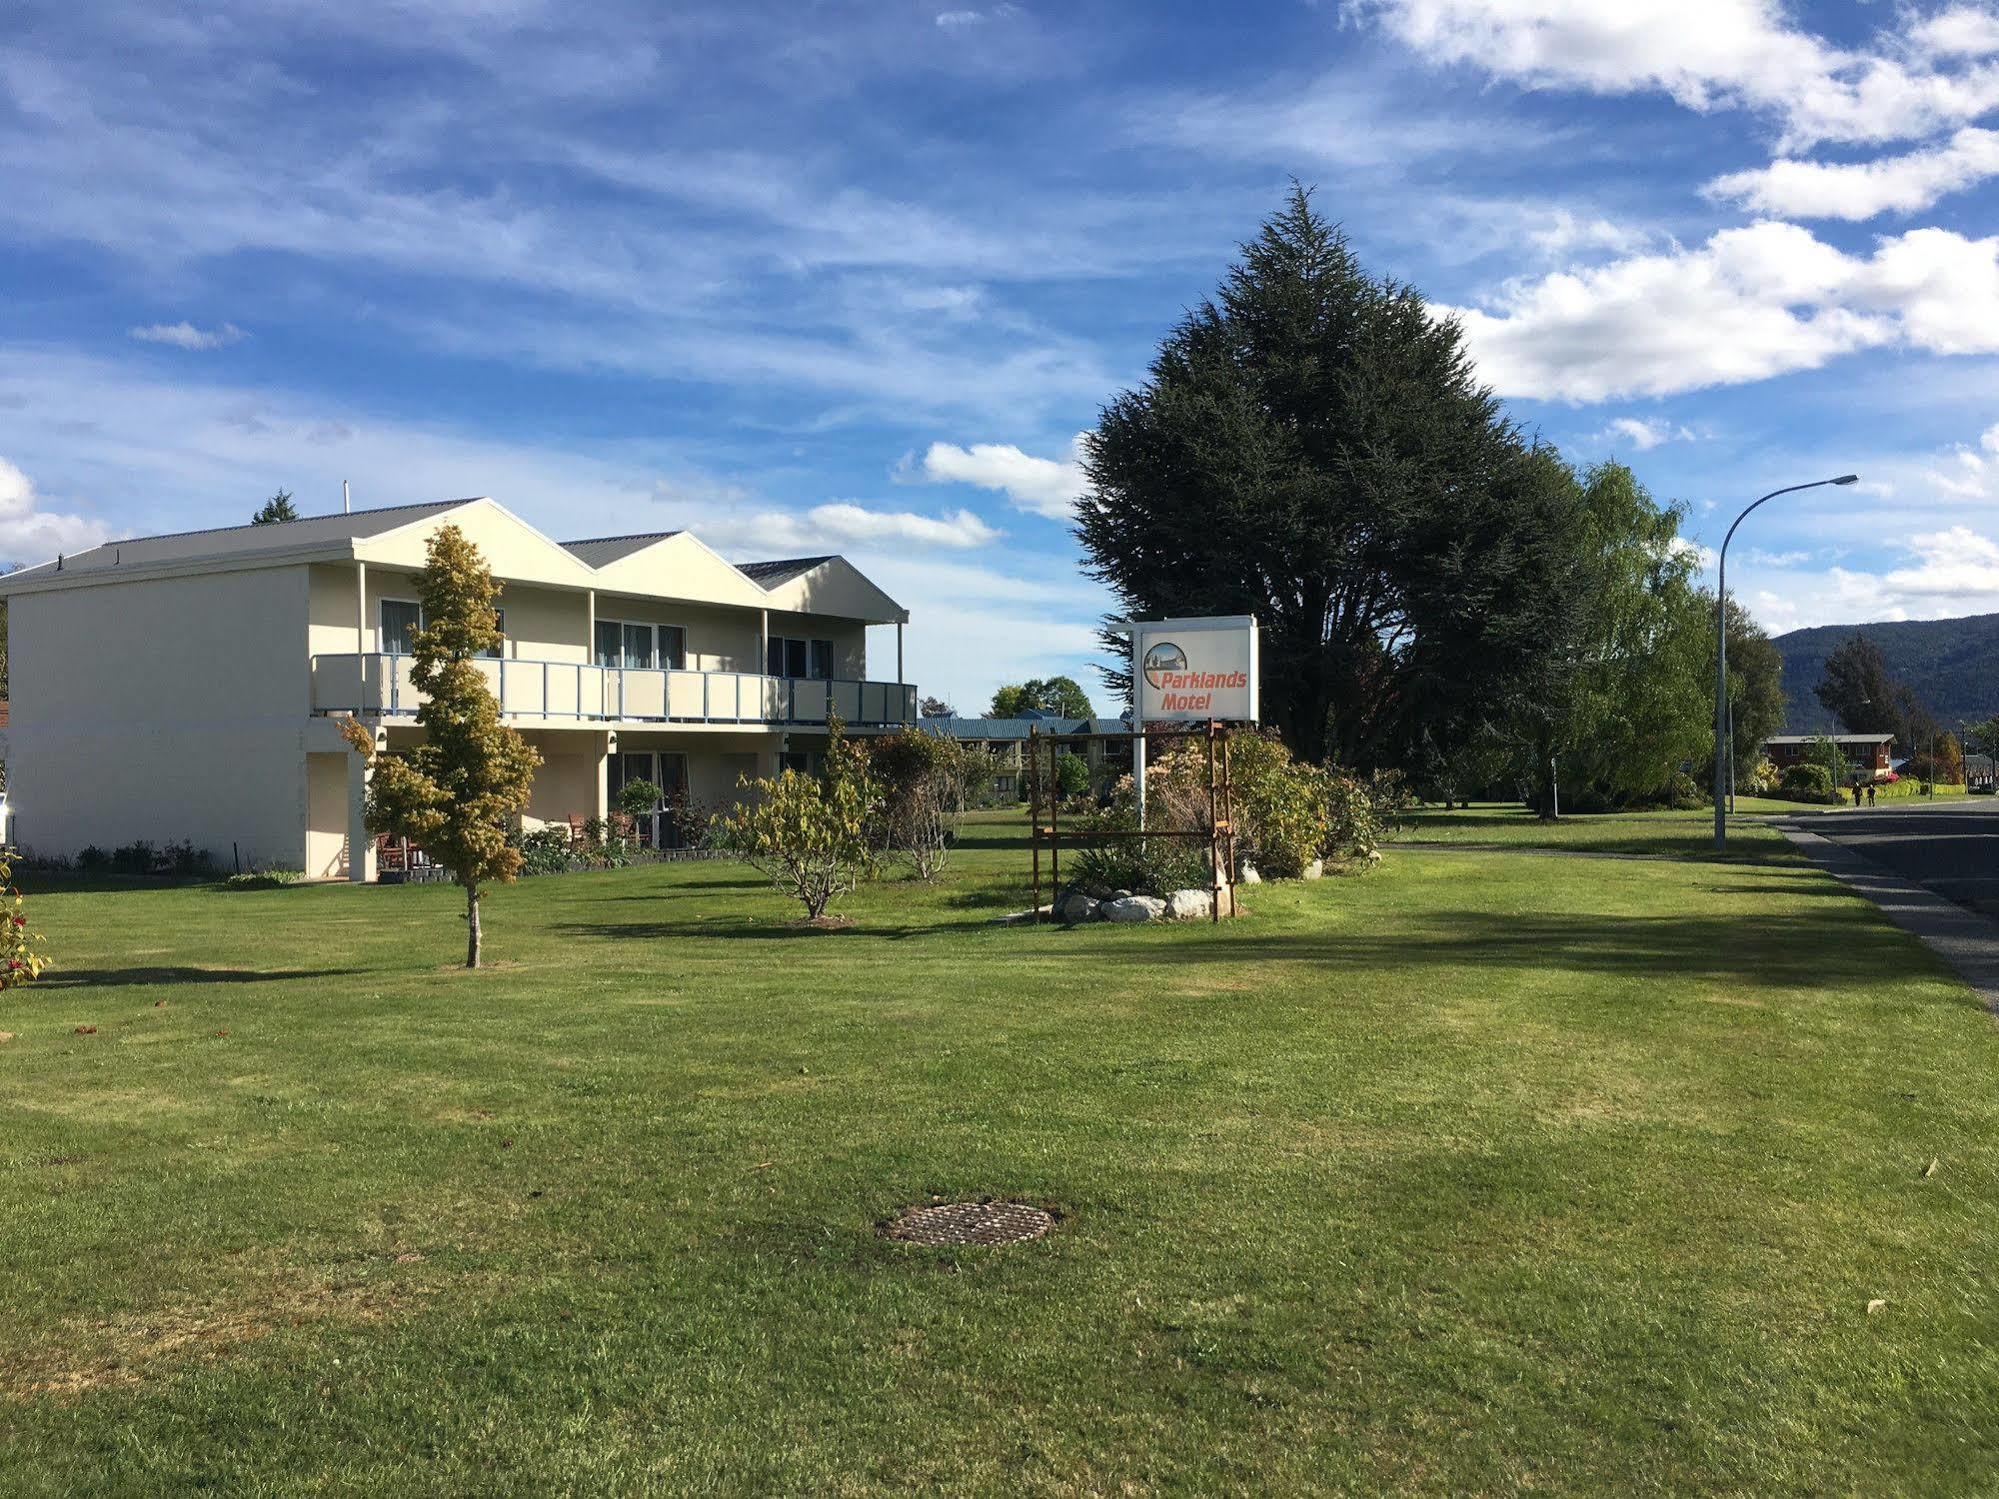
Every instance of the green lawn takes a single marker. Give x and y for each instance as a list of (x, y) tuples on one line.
[(1489, 1170)]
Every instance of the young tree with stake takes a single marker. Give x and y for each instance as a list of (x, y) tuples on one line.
[(455, 792)]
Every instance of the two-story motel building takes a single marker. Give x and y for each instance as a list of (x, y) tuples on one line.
[(188, 687)]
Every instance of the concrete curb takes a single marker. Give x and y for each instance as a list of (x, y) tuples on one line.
[(1965, 940)]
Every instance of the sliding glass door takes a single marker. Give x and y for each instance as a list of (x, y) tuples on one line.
[(658, 827)]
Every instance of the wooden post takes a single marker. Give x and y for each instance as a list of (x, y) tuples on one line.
[(1034, 823), (1054, 829)]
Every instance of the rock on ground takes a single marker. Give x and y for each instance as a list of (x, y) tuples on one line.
[(1190, 905), (1075, 906), (1134, 908)]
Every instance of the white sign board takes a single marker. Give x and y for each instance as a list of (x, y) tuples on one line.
[(1192, 670)]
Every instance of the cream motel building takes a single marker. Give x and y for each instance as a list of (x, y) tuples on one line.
[(190, 687)]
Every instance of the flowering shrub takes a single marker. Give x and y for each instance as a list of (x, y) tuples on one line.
[(808, 834), (21, 957)]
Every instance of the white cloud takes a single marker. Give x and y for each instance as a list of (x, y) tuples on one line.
[(844, 524), (1860, 190), (28, 532), (1643, 434), (1564, 234), (1044, 486), (1749, 304), (1706, 55), (1959, 31), (953, 20), (187, 336), (1990, 441), (1704, 557)]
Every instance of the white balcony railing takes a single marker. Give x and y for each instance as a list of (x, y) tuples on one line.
[(377, 685)]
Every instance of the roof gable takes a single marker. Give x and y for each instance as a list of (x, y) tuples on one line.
[(829, 585)]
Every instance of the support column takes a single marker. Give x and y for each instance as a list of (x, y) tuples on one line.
[(604, 776), (763, 641), (590, 627), (360, 842), (360, 609)]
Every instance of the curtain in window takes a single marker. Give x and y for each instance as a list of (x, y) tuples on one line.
[(400, 622)]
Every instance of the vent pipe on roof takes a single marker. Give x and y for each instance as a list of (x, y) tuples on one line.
[(346, 499)]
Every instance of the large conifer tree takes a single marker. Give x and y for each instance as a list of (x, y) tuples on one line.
[(1312, 447)]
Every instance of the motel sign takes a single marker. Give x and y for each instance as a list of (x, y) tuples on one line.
[(1194, 670)]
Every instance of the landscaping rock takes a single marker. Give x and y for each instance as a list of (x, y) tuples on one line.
[(1134, 908), (1314, 870), (1190, 905), (1076, 906), (1250, 876)]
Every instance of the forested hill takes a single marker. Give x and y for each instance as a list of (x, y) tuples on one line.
[(1953, 665)]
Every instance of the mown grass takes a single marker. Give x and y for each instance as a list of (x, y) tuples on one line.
[(1481, 1172)]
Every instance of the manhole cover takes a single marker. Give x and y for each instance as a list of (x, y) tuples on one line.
[(972, 1223)]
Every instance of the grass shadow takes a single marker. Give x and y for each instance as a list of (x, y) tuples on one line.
[(114, 978), (1801, 950)]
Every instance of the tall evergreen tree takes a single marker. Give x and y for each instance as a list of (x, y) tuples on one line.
[(455, 792), (1858, 689), (1311, 447), (277, 508)]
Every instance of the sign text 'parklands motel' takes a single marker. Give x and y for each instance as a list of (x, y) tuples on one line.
[(1194, 670)]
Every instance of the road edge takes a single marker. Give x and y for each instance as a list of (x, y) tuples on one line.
[(1966, 941)]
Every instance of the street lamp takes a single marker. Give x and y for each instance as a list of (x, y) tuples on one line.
[(1724, 745)]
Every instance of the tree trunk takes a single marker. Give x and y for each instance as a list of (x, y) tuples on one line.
[(471, 926)]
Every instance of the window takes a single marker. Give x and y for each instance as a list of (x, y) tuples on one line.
[(799, 658), (400, 622), (805, 762), (402, 618), (641, 646)]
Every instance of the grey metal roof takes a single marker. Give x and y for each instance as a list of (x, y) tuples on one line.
[(1019, 728), (310, 530), (783, 571), (598, 550), (1835, 738)]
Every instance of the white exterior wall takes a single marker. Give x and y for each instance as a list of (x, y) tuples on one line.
[(849, 637), (163, 709)]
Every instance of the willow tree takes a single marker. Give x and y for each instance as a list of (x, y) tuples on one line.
[(1312, 446), (457, 792)]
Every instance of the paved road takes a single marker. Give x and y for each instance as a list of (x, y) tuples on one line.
[(1952, 846)]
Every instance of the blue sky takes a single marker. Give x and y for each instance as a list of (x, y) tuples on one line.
[(853, 277)]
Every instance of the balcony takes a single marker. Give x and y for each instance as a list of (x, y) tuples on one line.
[(568, 692)]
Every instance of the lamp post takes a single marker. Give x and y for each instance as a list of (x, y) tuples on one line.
[(1724, 745)]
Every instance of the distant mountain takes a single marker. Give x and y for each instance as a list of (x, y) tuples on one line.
[(1953, 664)]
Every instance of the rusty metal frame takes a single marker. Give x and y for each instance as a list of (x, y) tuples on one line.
[(1220, 833)]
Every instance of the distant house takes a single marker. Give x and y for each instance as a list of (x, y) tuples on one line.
[(1866, 754), (1006, 739)]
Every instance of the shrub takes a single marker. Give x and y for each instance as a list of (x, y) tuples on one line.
[(264, 879), (1144, 866), (922, 781), (544, 851), (1682, 794), (22, 959), (1353, 820), (808, 835), (1808, 782), (134, 858), (184, 859)]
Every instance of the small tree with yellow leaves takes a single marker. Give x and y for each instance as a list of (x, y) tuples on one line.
[(808, 834), (457, 791), (21, 958)]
